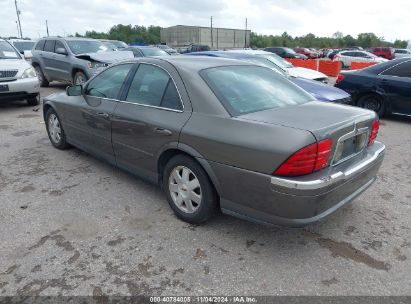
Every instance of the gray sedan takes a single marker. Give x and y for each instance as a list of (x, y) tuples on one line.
[(218, 134)]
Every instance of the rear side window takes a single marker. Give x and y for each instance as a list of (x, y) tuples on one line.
[(153, 86), (400, 70), (246, 89), (377, 50), (49, 46), (40, 45), (108, 83)]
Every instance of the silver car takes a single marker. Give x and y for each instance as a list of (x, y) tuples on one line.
[(18, 79), (221, 134)]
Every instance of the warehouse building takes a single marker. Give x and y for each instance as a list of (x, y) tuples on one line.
[(217, 38)]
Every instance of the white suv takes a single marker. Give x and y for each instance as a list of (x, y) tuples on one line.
[(18, 79)]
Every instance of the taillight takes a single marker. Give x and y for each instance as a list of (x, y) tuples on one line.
[(307, 160), (340, 78), (374, 132)]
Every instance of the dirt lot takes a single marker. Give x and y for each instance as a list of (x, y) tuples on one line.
[(73, 225)]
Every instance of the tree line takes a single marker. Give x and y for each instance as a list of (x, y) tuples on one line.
[(151, 35)]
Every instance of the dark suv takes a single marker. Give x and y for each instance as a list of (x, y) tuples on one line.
[(72, 59), (385, 52)]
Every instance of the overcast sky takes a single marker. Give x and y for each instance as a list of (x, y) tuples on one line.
[(297, 17)]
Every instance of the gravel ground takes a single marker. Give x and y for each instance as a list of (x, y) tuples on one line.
[(73, 225)]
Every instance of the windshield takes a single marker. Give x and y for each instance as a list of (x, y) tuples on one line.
[(246, 89), (277, 60), (87, 46), (153, 52), (7, 51), (23, 45)]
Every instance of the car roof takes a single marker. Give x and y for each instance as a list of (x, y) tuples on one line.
[(196, 63), (223, 54)]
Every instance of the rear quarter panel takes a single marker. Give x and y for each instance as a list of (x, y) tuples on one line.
[(248, 145)]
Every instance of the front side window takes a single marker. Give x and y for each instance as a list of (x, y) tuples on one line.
[(153, 86), (108, 83), (59, 45), (246, 89), (400, 70), (7, 51)]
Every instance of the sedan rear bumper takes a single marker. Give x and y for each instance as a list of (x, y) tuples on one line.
[(298, 201)]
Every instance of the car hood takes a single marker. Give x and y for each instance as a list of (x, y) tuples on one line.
[(108, 57), (305, 73), (320, 91), (14, 64), (323, 120)]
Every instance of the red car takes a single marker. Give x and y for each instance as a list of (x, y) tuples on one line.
[(304, 51), (385, 52)]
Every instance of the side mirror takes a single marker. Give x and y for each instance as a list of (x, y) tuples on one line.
[(27, 54), (61, 51), (74, 90)]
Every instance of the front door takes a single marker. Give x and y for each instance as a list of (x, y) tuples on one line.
[(396, 83), (89, 119), (149, 118)]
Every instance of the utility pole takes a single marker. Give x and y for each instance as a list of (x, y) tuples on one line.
[(245, 35), (18, 31), (18, 18), (212, 42), (47, 28)]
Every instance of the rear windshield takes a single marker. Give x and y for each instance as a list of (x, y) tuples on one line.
[(153, 52), (246, 89), (23, 45)]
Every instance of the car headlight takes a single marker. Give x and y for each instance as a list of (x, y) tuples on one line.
[(96, 65), (29, 73)]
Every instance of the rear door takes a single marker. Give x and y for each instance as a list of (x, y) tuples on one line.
[(48, 58), (396, 82), (149, 118), (61, 63)]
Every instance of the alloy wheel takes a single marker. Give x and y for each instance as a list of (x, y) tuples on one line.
[(185, 189), (54, 128)]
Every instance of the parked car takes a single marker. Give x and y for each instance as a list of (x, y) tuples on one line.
[(116, 43), (18, 79), (197, 48), (383, 88), (384, 52), (347, 57), (285, 52), (306, 52), (145, 51), (167, 49), (401, 53), (72, 59), (287, 66), (24, 46), (319, 90), (223, 134)]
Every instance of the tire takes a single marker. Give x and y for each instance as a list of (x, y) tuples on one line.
[(372, 102), (179, 173), (40, 76), (55, 130), (33, 101), (79, 78), (342, 65)]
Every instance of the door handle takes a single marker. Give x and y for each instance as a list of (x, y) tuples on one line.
[(163, 131), (102, 114)]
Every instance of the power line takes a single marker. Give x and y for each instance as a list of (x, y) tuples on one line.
[(18, 18)]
